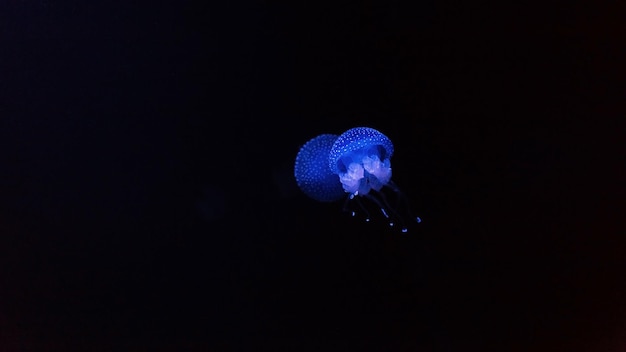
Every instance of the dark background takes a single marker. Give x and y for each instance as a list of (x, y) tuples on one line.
[(147, 201)]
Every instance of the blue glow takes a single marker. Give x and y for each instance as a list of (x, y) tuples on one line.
[(311, 170), (355, 165)]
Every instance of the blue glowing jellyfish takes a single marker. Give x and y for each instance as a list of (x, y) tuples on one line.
[(361, 157), (311, 170), (356, 163)]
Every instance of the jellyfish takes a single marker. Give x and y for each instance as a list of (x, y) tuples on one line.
[(358, 163), (312, 173), (361, 157)]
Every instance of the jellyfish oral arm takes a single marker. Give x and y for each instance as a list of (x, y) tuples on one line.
[(365, 174), (353, 177)]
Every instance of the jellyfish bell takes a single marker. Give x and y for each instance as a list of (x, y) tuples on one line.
[(311, 170)]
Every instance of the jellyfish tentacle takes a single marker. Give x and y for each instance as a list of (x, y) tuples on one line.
[(381, 207), (403, 201), (352, 198), (380, 199)]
